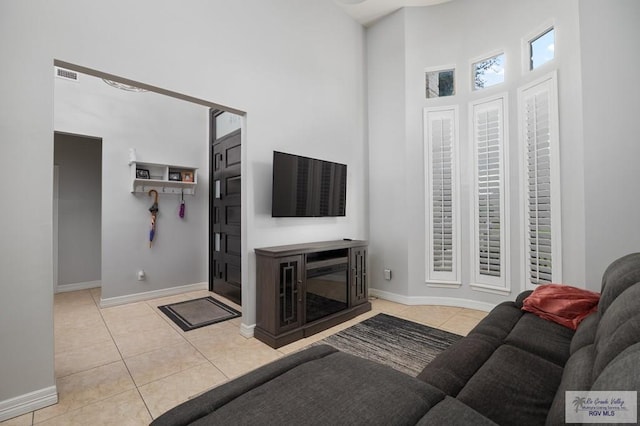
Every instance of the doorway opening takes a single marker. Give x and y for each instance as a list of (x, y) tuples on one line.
[(198, 262), (77, 224)]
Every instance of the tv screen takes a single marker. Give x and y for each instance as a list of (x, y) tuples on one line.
[(307, 187)]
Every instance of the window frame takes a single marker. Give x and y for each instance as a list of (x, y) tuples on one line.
[(497, 285), (435, 278), (550, 83)]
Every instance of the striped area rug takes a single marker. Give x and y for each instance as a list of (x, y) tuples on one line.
[(404, 345)]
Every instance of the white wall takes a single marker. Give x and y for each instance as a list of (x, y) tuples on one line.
[(610, 39), (295, 67), (163, 130), (456, 33), (388, 216), (79, 208)]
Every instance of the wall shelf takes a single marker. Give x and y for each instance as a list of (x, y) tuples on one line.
[(163, 178)]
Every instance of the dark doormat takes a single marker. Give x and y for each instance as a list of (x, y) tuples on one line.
[(198, 313)]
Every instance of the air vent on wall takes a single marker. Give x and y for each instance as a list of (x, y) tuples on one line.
[(66, 74)]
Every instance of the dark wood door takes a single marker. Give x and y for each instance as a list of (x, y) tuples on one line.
[(225, 247)]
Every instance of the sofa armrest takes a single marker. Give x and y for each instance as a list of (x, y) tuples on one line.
[(317, 386), (209, 401)]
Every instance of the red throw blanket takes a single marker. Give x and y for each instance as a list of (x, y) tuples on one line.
[(562, 304)]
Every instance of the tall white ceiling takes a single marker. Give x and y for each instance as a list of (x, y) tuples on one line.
[(368, 11)]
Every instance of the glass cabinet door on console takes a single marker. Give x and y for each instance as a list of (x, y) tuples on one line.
[(289, 292), (358, 264)]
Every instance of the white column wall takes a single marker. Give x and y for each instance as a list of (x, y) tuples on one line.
[(388, 216), (610, 39)]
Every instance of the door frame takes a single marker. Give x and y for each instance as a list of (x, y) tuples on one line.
[(213, 114)]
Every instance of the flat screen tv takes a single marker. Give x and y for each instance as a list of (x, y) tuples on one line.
[(307, 187)]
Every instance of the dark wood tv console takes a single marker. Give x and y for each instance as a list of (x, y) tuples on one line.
[(303, 289)]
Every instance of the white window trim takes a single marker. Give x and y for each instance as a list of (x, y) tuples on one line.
[(526, 52), (497, 285), (556, 213), (436, 278)]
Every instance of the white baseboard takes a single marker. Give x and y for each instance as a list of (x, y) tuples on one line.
[(153, 294), (247, 330), (61, 288), (26, 403), (428, 300)]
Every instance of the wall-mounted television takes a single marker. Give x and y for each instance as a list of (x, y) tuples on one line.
[(307, 187)]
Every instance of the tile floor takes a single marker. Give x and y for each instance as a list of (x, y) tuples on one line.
[(126, 365)]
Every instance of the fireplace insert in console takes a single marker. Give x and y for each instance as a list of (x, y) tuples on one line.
[(327, 289)]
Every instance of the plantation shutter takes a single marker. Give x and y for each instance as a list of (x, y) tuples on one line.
[(441, 205), (539, 139), (488, 134)]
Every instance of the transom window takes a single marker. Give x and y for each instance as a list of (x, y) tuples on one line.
[(488, 72), (542, 48), (440, 83)]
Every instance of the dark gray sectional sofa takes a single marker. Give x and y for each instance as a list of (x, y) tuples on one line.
[(512, 369)]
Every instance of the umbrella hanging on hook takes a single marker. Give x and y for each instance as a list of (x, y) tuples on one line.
[(182, 206), (154, 214)]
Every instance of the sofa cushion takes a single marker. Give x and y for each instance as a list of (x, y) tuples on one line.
[(576, 376), (451, 372), (608, 348), (618, 328), (622, 373), (452, 412), (585, 334), (500, 321), (338, 389), (513, 387), (544, 338), (619, 276)]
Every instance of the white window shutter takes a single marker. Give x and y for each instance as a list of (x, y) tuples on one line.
[(490, 219), (538, 119), (441, 183)]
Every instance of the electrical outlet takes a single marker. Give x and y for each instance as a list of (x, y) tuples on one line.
[(141, 275), (387, 274)]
